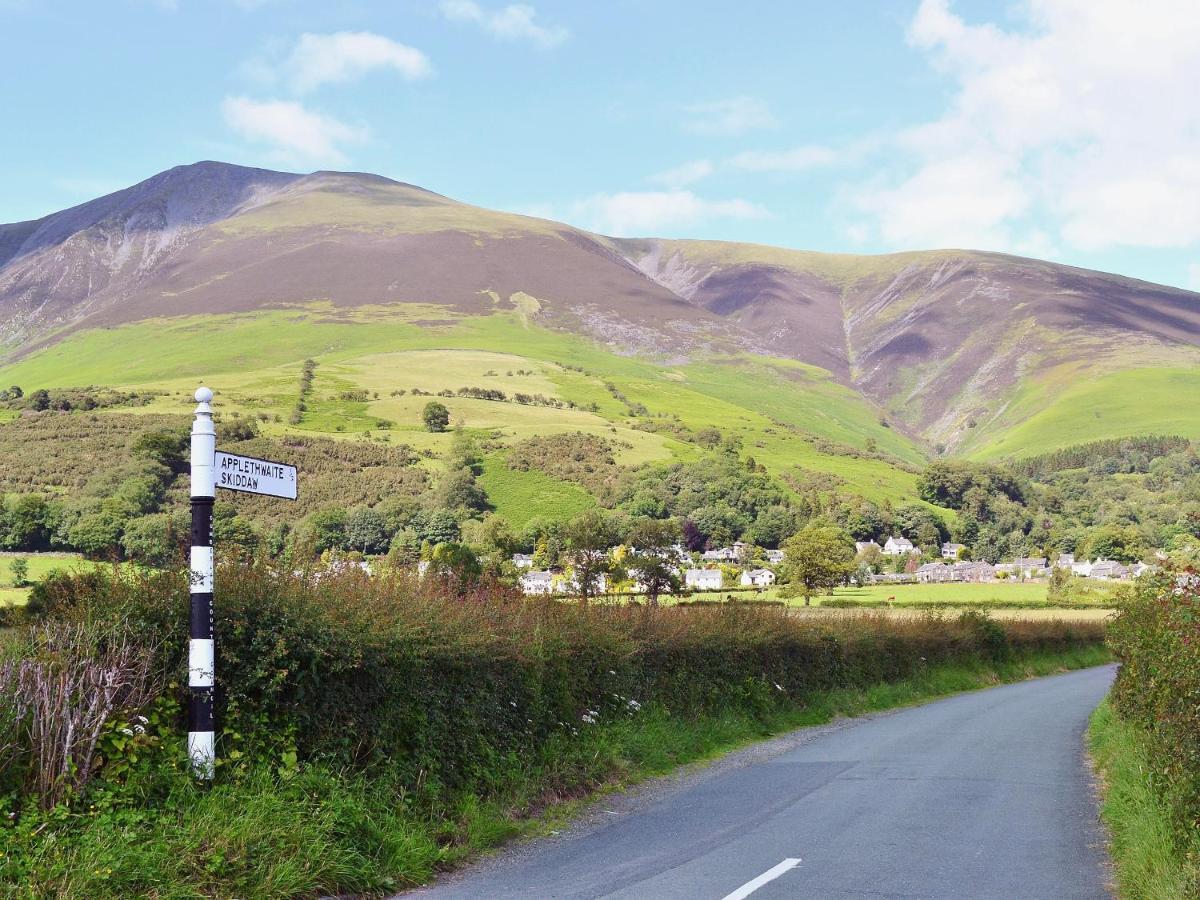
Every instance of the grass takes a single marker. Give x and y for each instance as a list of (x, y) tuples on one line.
[(1064, 406), (40, 565), (1149, 866), (957, 594), (522, 496), (775, 407), (321, 832)]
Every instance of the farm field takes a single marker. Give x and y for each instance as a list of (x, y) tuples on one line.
[(40, 565), (778, 409), (949, 594)]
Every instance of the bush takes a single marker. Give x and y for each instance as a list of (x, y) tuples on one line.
[(450, 681), (1156, 635)]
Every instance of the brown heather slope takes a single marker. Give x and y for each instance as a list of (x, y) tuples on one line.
[(941, 339)]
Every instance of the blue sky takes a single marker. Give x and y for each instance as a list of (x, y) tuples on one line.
[(1063, 129)]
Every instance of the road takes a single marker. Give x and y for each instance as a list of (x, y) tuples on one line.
[(980, 795)]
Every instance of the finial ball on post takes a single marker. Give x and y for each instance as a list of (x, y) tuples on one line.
[(203, 395)]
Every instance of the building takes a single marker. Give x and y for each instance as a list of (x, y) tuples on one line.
[(702, 579), (860, 546), (721, 554), (1108, 570), (537, 582), (1065, 561), (898, 546), (1030, 566), (1083, 569), (973, 572), (774, 557), (758, 578), (950, 551), (935, 573), (599, 584), (522, 560)]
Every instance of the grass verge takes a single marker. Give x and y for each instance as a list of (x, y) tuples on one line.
[(320, 830), (1149, 863)]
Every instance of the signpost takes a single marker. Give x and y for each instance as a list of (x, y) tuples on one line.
[(212, 469), (255, 476)]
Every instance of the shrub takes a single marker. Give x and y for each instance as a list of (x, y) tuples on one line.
[(453, 683), (1156, 635)]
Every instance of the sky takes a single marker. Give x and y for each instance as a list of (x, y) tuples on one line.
[(1063, 129)]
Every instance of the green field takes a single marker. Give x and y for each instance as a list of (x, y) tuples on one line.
[(522, 496), (950, 595), (776, 408), (40, 565), (1064, 408)]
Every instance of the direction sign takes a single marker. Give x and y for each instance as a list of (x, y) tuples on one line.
[(255, 476)]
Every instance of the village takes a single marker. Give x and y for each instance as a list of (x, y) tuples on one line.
[(744, 566)]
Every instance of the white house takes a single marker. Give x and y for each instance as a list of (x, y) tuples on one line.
[(1083, 568), (774, 557), (522, 560), (935, 572), (702, 579), (950, 551), (538, 582), (721, 554), (860, 546), (758, 578), (898, 546)]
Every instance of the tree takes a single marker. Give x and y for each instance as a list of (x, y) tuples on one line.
[(436, 416), (458, 489), (652, 561), (438, 526), (405, 549), (20, 572), (589, 537), (328, 528), (39, 400), (365, 531), (456, 564), (818, 558), (154, 539)]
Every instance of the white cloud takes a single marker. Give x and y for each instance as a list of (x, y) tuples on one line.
[(510, 23), (292, 131), (319, 59), (682, 175), (1193, 277), (1081, 125), (729, 117), (798, 159), (634, 213)]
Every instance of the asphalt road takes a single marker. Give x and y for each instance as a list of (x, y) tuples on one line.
[(980, 795)]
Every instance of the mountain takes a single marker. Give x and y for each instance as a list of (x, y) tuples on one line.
[(979, 353)]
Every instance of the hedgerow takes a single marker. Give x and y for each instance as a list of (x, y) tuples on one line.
[(1156, 635), (363, 669)]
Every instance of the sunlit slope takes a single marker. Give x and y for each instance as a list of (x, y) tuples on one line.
[(1068, 411), (961, 346), (791, 417)]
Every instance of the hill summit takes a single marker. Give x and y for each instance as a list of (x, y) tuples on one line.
[(957, 347)]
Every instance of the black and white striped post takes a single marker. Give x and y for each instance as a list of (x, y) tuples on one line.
[(201, 656)]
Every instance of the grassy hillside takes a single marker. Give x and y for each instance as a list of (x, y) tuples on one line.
[(791, 417), (1067, 410)]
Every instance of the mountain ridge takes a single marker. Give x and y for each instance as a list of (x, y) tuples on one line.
[(946, 342)]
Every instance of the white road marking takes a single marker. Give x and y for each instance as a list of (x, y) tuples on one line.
[(770, 875)]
